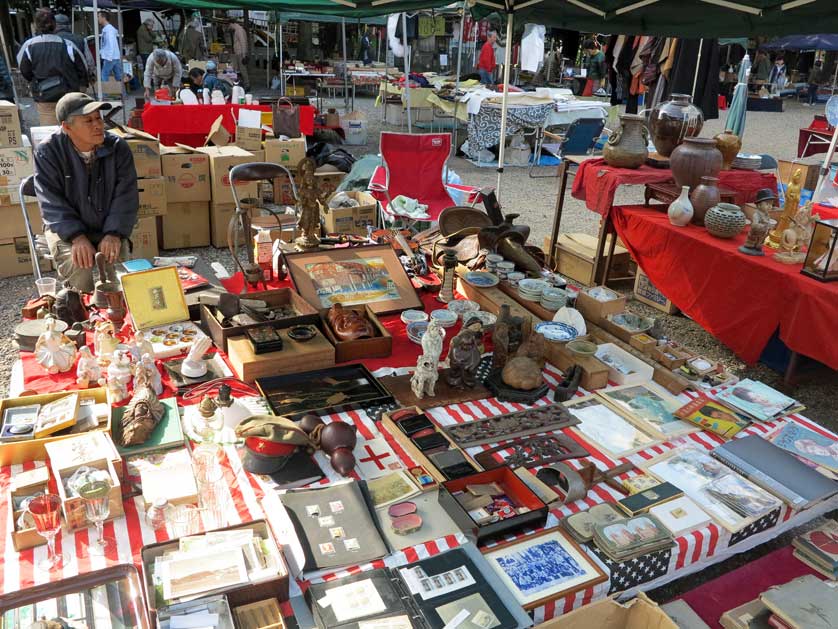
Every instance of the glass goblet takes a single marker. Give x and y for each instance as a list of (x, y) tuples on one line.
[(97, 507), (46, 513)]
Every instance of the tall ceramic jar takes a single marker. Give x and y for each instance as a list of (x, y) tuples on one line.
[(627, 147), (694, 159), (725, 220), (728, 144), (704, 196), (674, 120)]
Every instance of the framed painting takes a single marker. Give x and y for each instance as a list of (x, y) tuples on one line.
[(649, 406), (606, 428), (369, 275), (540, 568)]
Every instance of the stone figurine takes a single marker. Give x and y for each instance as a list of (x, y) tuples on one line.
[(310, 199), (88, 370), (432, 341), (507, 336), (424, 379), (53, 350), (146, 368), (464, 359), (797, 236)]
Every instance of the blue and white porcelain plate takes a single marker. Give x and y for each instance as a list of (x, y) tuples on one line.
[(555, 331), (481, 279), (446, 318)]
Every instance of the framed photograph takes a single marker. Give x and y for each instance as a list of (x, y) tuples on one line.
[(155, 297), (394, 487), (650, 407), (606, 428), (369, 275), (543, 567)]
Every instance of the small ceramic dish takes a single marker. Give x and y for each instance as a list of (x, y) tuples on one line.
[(600, 293), (532, 287), (417, 329), (302, 333), (581, 347), (446, 318), (554, 331), (481, 279), (461, 306), (487, 319), (505, 266), (409, 316), (573, 318), (515, 277)]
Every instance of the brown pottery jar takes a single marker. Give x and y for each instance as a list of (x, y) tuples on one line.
[(703, 197), (627, 147), (694, 159), (673, 121), (729, 145)]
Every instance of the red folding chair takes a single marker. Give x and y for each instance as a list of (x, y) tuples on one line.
[(413, 165)]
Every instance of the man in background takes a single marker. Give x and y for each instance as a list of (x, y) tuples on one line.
[(815, 80), (486, 61), (762, 66), (208, 80), (6, 91), (241, 52), (145, 40), (596, 70), (109, 49), (52, 66), (63, 30), (163, 68), (192, 44)]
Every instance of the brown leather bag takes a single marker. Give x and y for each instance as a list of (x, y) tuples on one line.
[(286, 118)]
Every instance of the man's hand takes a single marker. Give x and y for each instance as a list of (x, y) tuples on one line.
[(110, 246), (82, 252), (147, 93)]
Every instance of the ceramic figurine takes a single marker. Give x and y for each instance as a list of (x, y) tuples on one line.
[(432, 341), (506, 337), (790, 207), (796, 236), (193, 365), (142, 414), (680, 211), (88, 370), (118, 377), (310, 199), (761, 222), (424, 379), (140, 346), (104, 340), (53, 350), (146, 367), (464, 359)]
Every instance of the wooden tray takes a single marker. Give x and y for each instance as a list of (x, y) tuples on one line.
[(399, 386), (318, 353)]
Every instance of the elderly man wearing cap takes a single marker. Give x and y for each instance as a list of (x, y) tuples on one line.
[(86, 185)]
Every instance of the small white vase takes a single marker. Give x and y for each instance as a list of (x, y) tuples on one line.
[(681, 210)]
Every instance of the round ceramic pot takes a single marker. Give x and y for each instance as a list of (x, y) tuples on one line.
[(694, 159), (729, 145), (627, 146), (674, 120), (725, 220), (704, 196)]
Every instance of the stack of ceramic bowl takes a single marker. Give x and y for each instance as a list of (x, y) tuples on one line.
[(553, 298), (531, 290), (492, 260), (515, 277), (503, 269), (747, 161), (410, 316), (445, 318), (461, 307)]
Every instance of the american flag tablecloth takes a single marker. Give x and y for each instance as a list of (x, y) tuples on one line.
[(246, 493)]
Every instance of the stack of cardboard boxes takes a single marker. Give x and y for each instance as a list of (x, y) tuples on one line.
[(16, 163)]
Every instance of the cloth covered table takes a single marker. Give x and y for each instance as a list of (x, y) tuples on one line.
[(741, 300), (824, 211), (596, 182), (484, 127)]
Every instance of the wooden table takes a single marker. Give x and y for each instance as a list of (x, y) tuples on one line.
[(563, 174)]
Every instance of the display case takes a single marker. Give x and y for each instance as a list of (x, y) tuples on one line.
[(821, 260)]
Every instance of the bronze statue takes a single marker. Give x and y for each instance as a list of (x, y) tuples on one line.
[(310, 198), (506, 337)]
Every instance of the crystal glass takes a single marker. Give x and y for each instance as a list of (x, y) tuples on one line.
[(213, 500), (97, 508), (206, 465), (46, 512)]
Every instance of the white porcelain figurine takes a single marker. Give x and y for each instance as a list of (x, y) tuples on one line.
[(53, 350), (194, 365), (88, 370)]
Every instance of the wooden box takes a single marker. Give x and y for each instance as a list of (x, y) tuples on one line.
[(318, 353), (670, 356), (75, 516), (671, 381), (379, 346), (277, 297), (643, 342), (33, 449), (244, 594), (647, 293), (594, 310), (810, 167), (576, 255), (26, 484)]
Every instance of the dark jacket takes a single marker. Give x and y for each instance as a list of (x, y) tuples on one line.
[(74, 201), (45, 56), (78, 40), (5, 80)]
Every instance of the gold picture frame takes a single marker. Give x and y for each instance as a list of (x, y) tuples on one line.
[(155, 297)]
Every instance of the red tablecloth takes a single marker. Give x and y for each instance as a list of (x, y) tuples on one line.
[(824, 211), (596, 182), (189, 124), (741, 300)]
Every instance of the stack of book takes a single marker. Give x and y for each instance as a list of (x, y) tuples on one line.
[(804, 603), (632, 537), (818, 549), (710, 415), (758, 401)]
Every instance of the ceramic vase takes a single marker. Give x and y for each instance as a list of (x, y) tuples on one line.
[(627, 147), (694, 159), (728, 144), (704, 196), (680, 211), (725, 220), (674, 120)]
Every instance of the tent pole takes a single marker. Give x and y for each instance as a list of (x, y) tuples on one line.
[(697, 66), (457, 79), (4, 51), (406, 70), (270, 58), (345, 66), (507, 61), (826, 163), (281, 60), (120, 40), (98, 51)]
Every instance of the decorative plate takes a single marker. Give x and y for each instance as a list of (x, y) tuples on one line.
[(446, 318), (409, 316), (481, 279), (417, 329), (461, 306), (554, 331), (573, 318), (532, 287), (487, 319)]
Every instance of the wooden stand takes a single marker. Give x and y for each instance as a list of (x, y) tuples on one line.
[(399, 386)]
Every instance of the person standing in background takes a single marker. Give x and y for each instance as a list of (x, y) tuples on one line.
[(145, 40), (241, 51), (52, 66), (762, 67), (365, 47), (486, 62), (815, 80), (6, 91), (596, 70), (62, 29), (192, 44), (109, 49)]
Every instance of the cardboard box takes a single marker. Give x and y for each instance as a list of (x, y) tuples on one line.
[(283, 192), (152, 196), (638, 613), (352, 220), (222, 159), (11, 218), (15, 165), (144, 238), (15, 258), (23, 484), (184, 225), (10, 132), (220, 214), (249, 138), (328, 181), (112, 89), (187, 174), (146, 151), (218, 135), (287, 153)]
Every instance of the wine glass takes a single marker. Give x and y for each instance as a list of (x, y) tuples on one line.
[(97, 506), (46, 512)]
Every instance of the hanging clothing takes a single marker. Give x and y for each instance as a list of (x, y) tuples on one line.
[(532, 47), (706, 95)]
